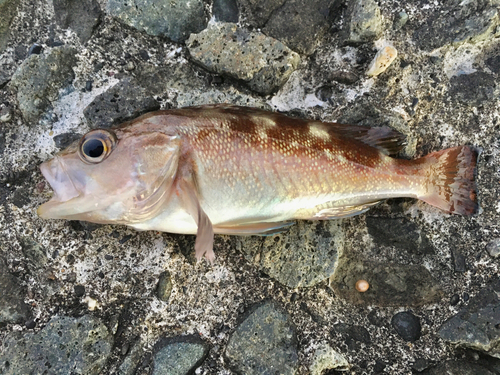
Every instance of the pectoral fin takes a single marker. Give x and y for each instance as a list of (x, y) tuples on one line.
[(205, 235)]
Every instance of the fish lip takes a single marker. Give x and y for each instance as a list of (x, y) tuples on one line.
[(64, 189)]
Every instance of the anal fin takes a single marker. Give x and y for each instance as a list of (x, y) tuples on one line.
[(341, 212), (254, 229)]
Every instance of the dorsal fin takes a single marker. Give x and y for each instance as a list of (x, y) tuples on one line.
[(387, 140)]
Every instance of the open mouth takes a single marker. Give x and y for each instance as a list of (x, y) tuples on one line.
[(64, 190)]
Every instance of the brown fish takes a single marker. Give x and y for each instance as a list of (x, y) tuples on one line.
[(236, 170)]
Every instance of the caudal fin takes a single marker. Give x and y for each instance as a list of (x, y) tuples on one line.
[(451, 184)]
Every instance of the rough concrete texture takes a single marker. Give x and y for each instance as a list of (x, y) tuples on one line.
[(440, 91), (172, 19), (264, 63)]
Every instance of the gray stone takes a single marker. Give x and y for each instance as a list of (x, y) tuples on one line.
[(164, 287), (476, 326), (264, 63), (124, 101), (12, 306), (473, 89), (133, 359), (260, 10), (8, 10), (390, 284), (402, 234), (264, 343), (300, 24), (400, 20), (225, 10), (172, 19), (65, 139), (64, 346), (493, 248), (462, 22), (178, 356), (458, 368), (363, 22), (303, 256), (39, 79), (325, 358), (81, 16)]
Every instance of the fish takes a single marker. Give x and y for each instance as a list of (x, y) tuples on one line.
[(225, 169)]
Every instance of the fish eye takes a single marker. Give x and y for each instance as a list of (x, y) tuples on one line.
[(96, 145)]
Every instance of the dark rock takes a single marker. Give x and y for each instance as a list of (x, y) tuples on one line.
[(65, 139), (458, 368), (79, 290), (35, 49), (88, 86), (407, 326), (12, 306), (21, 197), (472, 89), (174, 19), (164, 287), (390, 284), (471, 22), (379, 366), (458, 261), (303, 256), (178, 355), (63, 346), (225, 10), (35, 254), (493, 63), (124, 101), (476, 325), (493, 248), (81, 16), (399, 233), (264, 63), (454, 299), (264, 343), (363, 22), (420, 364), (39, 79), (260, 10), (30, 324), (8, 9), (300, 24)]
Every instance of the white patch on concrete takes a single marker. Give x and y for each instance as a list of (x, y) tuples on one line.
[(460, 60)]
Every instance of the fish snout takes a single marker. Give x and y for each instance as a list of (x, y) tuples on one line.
[(59, 180)]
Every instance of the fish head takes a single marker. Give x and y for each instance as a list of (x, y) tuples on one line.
[(111, 176)]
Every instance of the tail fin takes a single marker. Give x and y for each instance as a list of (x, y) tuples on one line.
[(451, 182)]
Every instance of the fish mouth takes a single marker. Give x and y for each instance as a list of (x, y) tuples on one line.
[(66, 194)]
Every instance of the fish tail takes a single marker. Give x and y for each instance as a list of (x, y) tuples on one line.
[(450, 180)]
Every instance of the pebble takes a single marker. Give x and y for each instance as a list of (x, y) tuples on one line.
[(382, 60), (493, 248), (178, 356), (454, 299), (407, 326), (35, 49), (326, 358)]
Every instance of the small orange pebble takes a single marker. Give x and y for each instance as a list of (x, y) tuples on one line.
[(362, 286)]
